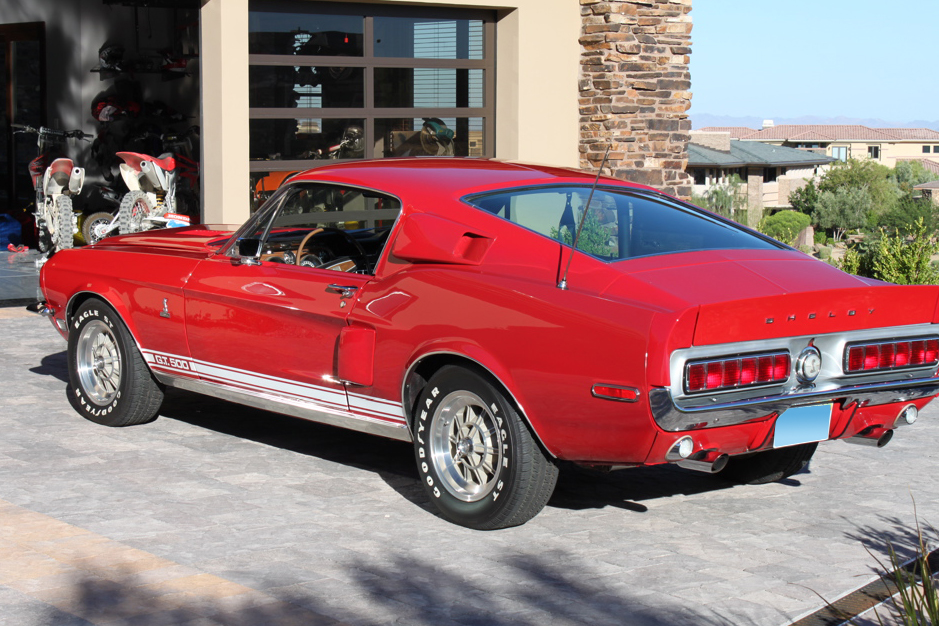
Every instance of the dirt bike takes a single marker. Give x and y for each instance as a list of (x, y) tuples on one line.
[(150, 201), (56, 181)]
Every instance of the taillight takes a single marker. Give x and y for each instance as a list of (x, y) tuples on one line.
[(891, 355), (737, 372)]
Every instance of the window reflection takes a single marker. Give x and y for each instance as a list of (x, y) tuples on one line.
[(306, 86), (429, 136), (428, 38), (310, 138), (305, 34), (428, 87)]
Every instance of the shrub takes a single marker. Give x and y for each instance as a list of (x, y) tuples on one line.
[(850, 262), (785, 225), (907, 262), (902, 218)]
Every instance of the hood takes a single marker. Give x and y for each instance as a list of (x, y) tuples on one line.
[(200, 240), (745, 295)]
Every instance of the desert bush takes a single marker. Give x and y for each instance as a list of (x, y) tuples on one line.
[(907, 260), (785, 226)]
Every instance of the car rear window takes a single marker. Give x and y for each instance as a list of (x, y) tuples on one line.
[(620, 224)]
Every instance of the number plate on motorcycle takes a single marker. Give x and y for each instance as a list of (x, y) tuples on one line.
[(802, 424)]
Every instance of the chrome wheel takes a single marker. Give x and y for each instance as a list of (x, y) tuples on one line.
[(466, 446), (98, 360)]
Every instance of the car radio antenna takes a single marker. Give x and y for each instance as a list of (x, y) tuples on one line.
[(583, 217)]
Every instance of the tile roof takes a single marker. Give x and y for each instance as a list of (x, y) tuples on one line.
[(928, 164), (752, 153), (920, 134), (826, 132), (933, 184), (736, 132)]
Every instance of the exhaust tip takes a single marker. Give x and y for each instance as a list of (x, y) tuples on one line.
[(872, 436)]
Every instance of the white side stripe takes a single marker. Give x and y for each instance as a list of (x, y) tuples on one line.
[(334, 399)]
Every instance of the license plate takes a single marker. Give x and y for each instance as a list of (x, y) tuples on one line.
[(802, 424)]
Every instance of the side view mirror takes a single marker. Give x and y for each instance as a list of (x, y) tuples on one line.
[(249, 250)]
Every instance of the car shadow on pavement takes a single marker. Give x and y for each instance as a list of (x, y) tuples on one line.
[(393, 461), (580, 489), (55, 365)]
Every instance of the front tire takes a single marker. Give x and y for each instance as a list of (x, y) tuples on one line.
[(110, 383), (95, 227), (770, 465), (477, 459)]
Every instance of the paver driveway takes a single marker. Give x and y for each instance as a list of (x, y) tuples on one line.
[(217, 514)]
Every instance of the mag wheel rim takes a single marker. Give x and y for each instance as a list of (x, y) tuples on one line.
[(98, 360), (99, 229), (466, 446)]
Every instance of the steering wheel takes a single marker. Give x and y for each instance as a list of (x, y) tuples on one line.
[(343, 233)]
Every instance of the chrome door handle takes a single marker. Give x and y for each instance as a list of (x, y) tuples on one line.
[(345, 291)]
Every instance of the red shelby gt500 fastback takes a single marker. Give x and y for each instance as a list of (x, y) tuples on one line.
[(440, 301)]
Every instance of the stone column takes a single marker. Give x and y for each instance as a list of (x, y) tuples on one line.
[(635, 90), (754, 197)]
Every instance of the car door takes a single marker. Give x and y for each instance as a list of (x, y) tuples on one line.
[(264, 316)]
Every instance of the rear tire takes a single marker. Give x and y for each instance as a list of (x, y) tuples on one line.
[(768, 466), (64, 231), (110, 383), (134, 209), (477, 459)]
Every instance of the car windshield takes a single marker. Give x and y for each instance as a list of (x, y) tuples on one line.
[(620, 224)]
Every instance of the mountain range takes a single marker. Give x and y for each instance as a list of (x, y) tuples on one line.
[(702, 120)]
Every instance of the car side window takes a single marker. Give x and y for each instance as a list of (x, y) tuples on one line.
[(618, 224), (327, 227)]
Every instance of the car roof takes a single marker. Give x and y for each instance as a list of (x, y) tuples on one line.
[(451, 176)]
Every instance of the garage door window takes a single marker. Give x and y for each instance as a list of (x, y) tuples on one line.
[(344, 81)]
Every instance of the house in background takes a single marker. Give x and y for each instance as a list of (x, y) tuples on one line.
[(769, 172), (929, 190), (847, 141)]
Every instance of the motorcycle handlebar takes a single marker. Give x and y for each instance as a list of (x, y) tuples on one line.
[(50, 132)]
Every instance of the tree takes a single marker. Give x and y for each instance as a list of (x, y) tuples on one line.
[(725, 200), (843, 209), (804, 198), (867, 175)]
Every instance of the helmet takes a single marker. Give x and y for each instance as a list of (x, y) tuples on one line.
[(111, 57)]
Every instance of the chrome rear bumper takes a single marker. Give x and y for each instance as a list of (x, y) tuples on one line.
[(671, 417)]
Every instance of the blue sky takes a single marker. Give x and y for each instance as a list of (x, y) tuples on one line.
[(852, 58)]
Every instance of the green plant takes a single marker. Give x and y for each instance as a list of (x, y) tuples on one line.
[(904, 215), (916, 592), (804, 198), (785, 225), (850, 262), (843, 209), (907, 262), (595, 237), (727, 200)]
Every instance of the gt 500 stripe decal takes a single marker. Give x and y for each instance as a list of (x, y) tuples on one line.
[(366, 406)]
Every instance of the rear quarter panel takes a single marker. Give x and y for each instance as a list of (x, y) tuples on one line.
[(546, 345)]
